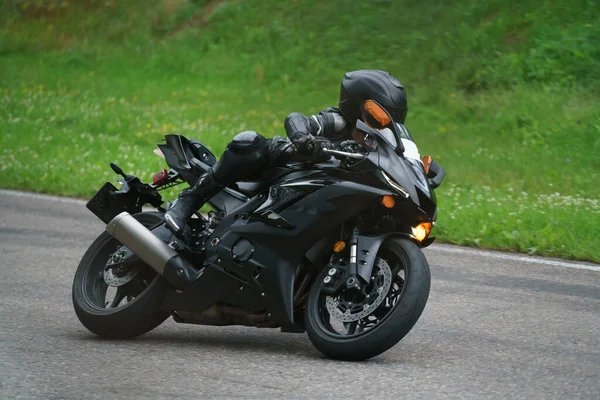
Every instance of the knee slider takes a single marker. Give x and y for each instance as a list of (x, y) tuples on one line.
[(245, 155)]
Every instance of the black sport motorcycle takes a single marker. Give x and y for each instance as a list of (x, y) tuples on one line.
[(331, 248)]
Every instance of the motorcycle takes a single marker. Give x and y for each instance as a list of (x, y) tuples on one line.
[(331, 248)]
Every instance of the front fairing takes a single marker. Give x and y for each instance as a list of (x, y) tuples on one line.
[(407, 171)]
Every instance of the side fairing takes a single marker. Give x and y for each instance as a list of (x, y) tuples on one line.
[(317, 207)]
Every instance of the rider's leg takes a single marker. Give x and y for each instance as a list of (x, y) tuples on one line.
[(246, 155)]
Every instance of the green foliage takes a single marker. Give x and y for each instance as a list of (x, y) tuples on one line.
[(566, 57), (504, 95)]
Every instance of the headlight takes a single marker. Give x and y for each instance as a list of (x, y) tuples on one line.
[(395, 186), (421, 231)]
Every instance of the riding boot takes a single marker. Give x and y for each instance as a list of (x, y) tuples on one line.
[(245, 155), (189, 201)]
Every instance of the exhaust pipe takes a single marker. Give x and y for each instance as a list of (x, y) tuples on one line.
[(153, 251)]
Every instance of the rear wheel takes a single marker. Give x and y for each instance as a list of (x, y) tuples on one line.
[(123, 301), (356, 325)]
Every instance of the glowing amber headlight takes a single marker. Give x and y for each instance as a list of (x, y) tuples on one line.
[(421, 231)]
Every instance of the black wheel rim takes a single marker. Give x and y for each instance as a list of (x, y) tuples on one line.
[(104, 298), (400, 269)]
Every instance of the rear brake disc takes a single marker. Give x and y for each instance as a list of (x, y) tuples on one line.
[(114, 275)]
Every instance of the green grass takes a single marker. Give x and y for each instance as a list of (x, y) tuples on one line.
[(505, 96)]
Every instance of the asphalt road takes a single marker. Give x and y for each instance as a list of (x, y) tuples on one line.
[(495, 327)]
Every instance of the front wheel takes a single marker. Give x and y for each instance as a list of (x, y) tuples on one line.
[(356, 325)]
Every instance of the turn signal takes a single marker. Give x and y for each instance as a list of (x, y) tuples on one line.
[(338, 247), (421, 231), (388, 201), (427, 163), (377, 113)]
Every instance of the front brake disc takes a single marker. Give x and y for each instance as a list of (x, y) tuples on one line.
[(374, 294)]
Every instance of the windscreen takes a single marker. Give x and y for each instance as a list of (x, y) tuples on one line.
[(388, 136)]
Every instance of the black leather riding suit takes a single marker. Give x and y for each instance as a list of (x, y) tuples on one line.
[(249, 153)]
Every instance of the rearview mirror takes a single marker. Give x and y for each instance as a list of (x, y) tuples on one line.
[(377, 117)]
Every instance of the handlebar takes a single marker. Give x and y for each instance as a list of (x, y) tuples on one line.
[(357, 156)]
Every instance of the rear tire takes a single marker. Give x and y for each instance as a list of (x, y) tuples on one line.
[(394, 323), (136, 317)]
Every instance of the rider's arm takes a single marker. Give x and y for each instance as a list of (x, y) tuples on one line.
[(328, 123)]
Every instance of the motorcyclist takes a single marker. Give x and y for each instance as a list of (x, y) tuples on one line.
[(250, 153)]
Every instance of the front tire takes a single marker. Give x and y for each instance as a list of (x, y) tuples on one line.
[(353, 337), (144, 293)]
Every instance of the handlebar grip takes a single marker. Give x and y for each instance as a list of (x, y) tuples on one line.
[(439, 174)]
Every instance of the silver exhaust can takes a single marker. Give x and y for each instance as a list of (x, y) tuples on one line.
[(152, 250)]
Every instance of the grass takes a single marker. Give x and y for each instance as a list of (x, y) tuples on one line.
[(505, 97)]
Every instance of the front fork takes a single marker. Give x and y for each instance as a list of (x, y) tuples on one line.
[(352, 278), (354, 273)]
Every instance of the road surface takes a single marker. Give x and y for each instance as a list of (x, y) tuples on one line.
[(496, 326)]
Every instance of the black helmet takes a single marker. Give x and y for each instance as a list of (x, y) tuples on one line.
[(369, 84)]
